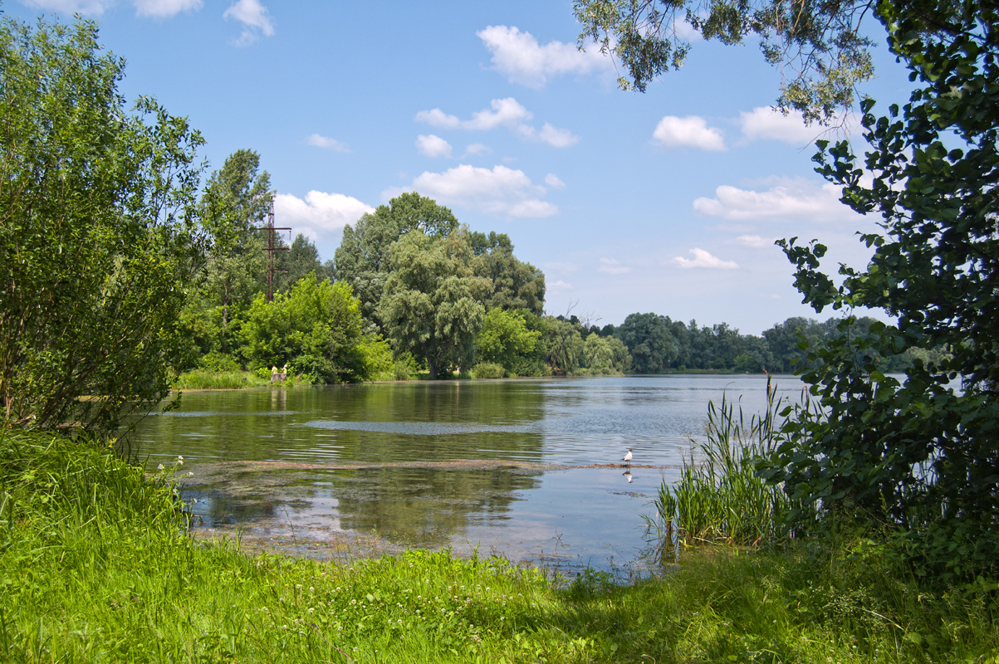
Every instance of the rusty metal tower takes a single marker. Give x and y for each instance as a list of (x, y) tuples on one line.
[(270, 229)]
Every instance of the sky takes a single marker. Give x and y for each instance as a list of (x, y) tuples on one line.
[(666, 202)]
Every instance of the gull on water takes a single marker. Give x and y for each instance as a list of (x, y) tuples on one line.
[(627, 457)]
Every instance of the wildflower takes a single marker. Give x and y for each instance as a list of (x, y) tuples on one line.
[(159, 467), (190, 474)]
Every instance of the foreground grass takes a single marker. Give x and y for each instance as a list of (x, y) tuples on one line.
[(94, 567)]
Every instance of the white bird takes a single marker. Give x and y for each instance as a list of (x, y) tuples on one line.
[(627, 457)]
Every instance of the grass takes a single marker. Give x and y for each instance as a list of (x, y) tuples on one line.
[(203, 379), (95, 566)]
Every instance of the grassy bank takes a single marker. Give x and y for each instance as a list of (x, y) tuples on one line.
[(94, 567)]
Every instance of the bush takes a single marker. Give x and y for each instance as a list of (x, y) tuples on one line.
[(488, 370)]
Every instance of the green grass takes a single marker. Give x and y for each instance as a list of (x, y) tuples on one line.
[(202, 379), (95, 567)]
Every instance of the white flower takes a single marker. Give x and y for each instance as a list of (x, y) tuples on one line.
[(159, 467)]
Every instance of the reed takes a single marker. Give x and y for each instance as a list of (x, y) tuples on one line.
[(719, 497)]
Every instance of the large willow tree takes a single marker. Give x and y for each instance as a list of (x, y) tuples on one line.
[(96, 243)]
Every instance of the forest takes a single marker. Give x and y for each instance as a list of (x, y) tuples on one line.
[(411, 290)]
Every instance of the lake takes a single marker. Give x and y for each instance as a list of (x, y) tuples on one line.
[(530, 469)]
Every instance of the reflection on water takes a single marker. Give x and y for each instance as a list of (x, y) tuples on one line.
[(527, 468)]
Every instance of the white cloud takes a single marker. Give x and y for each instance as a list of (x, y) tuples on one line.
[(327, 143), (319, 212), (755, 241), (704, 259), (255, 18), (768, 123), (554, 181), (433, 146), (558, 138), (556, 287), (518, 56), (691, 131), (437, 118), (611, 266), (507, 113), (477, 148), (500, 191), (791, 199), (95, 7), (165, 8)]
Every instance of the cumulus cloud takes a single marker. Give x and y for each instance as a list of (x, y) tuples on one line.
[(790, 199), (556, 287), (518, 56), (437, 118), (554, 181), (691, 131), (477, 148), (165, 8), (611, 266), (704, 259), (327, 143), (505, 112), (93, 7), (559, 138), (768, 123), (508, 113), (501, 191), (755, 241), (433, 146), (255, 18), (319, 212)]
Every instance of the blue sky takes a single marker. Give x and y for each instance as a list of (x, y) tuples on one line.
[(667, 201)]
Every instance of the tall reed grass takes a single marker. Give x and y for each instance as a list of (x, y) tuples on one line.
[(202, 379), (719, 497)]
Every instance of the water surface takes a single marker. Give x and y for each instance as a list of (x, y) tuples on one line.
[(529, 469)]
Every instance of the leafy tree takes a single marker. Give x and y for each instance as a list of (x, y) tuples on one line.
[(506, 340), (649, 341), (97, 232), (362, 259), (820, 42), (919, 456), (563, 346), (315, 328), (606, 354), (516, 285), (300, 259), (432, 299)]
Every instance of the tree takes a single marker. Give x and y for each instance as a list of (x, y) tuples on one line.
[(506, 340), (516, 285), (819, 41), (918, 456), (432, 300), (300, 259), (315, 328), (649, 341), (362, 257), (98, 232)]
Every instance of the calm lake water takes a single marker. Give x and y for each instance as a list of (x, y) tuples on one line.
[(530, 469)]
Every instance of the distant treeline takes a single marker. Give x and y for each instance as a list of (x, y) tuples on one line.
[(659, 344)]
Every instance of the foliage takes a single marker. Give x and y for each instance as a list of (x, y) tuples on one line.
[(97, 232), (315, 328), (488, 370), (204, 379), (362, 259), (606, 354), (516, 285), (920, 457), (563, 346), (820, 42), (301, 258), (95, 566), (431, 304), (505, 339)]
